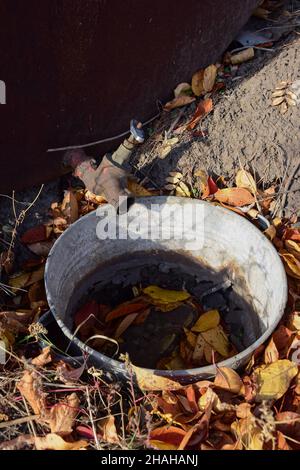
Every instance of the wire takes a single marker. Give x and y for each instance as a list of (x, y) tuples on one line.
[(107, 139)]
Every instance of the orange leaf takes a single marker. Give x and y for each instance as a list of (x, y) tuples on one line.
[(234, 196), (124, 309), (168, 434), (203, 108)]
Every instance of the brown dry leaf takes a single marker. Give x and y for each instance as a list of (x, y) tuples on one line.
[(204, 107), (282, 442), (270, 232), (31, 388), (42, 359), (243, 410), (137, 189), (271, 353), (55, 442), (245, 180), (62, 415), (125, 323), (169, 435), (294, 321), (69, 206), (26, 279), (181, 100), (242, 56), (228, 379), (94, 198), (203, 81), (292, 264), (209, 78), (197, 83), (237, 197), (108, 430), (268, 197), (41, 248), (273, 380)]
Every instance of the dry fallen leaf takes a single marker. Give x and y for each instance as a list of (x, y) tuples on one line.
[(31, 388), (273, 380), (62, 415), (171, 436), (108, 430), (203, 81), (234, 197), (228, 379), (69, 206), (182, 89), (137, 189), (242, 56), (165, 295), (206, 321), (292, 264), (245, 180), (218, 340), (56, 442), (181, 100), (26, 279)]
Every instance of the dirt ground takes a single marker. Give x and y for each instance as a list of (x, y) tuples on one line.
[(244, 129)]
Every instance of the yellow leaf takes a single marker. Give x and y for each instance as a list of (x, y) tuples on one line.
[(293, 248), (154, 381), (217, 339), (164, 295), (294, 321), (292, 264), (56, 442), (228, 379), (185, 188), (206, 321), (162, 445), (274, 379), (245, 180)]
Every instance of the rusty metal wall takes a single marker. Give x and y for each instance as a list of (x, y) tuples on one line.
[(78, 70)]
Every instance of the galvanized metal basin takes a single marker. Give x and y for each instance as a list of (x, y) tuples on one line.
[(229, 243)]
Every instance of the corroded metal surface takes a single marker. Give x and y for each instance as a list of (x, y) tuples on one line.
[(78, 70)]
